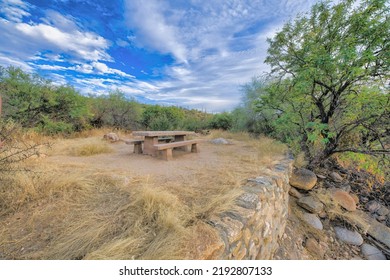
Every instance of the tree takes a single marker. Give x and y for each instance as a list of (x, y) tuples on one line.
[(35, 102), (222, 121), (115, 110), (248, 117), (157, 117), (331, 69)]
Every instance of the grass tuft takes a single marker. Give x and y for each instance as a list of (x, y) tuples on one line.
[(90, 149)]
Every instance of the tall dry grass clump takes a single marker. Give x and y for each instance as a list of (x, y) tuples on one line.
[(90, 149)]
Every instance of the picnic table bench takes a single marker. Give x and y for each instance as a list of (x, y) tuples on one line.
[(138, 143), (167, 148)]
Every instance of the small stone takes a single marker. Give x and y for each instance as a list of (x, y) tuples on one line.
[(372, 253), (346, 188), (303, 179), (311, 204), (344, 200), (322, 214), (336, 177), (320, 176), (372, 206), (295, 193), (312, 220), (314, 247), (349, 237)]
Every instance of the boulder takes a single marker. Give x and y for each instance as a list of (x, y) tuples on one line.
[(311, 204), (220, 141), (383, 211), (111, 136), (303, 179), (294, 192), (372, 206), (344, 199), (348, 236), (372, 253), (313, 220)]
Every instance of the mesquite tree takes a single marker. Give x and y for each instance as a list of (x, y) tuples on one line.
[(331, 70)]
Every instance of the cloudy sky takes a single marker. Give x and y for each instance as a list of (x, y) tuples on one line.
[(190, 53)]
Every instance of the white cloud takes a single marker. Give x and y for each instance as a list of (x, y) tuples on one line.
[(222, 42), (56, 35), (51, 67), (83, 45), (102, 68), (14, 10), (6, 61), (152, 29)]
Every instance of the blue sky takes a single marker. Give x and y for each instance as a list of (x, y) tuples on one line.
[(194, 53)]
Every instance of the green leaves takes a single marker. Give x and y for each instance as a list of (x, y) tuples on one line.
[(330, 71)]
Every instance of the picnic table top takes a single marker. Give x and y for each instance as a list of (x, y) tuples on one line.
[(161, 133)]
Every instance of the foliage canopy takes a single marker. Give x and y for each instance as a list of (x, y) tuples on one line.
[(329, 79)]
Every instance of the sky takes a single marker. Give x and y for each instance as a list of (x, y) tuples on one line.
[(195, 54)]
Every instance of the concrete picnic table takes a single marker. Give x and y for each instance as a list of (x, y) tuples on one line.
[(151, 138)]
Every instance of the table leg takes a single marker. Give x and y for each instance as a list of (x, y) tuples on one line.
[(179, 138), (149, 143)]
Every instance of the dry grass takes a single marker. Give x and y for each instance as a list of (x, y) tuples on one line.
[(57, 213), (103, 218), (91, 149)]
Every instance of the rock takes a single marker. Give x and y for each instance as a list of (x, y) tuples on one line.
[(369, 225), (323, 215), (349, 237), (372, 206), (220, 141), (355, 197), (295, 193), (344, 200), (346, 188), (303, 179), (320, 176), (111, 136), (312, 220), (336, 177), (314, 247), (381, 218), (364, 199), (311, 204), (383, 211), (372, 253)]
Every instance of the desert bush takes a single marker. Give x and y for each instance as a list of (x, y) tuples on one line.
[(14, 149), (221, 121)]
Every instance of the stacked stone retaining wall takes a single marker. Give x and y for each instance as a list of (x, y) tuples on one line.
[(252, 228)]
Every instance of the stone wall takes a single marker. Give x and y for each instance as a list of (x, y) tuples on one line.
[(252, 228)]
